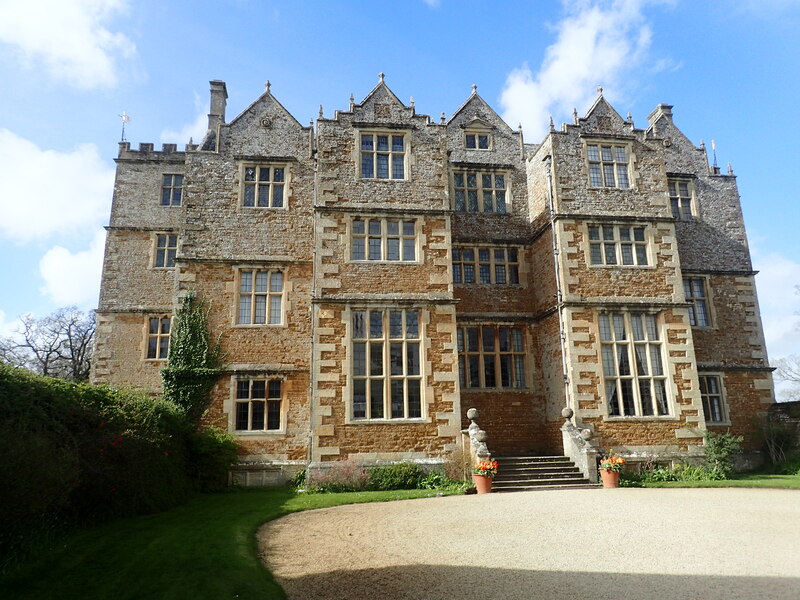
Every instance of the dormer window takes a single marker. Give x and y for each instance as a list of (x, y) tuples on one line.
[(477, 141)]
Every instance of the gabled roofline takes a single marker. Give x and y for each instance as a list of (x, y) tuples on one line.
[(476, 95), (267, 92), (381, 83)]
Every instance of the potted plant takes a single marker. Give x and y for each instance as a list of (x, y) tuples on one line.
[(482, 475), (610, 467)]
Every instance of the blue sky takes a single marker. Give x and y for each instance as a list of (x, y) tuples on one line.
[(70, 67)]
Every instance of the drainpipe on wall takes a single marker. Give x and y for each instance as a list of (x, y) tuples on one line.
[(559, 295), (312, 307)]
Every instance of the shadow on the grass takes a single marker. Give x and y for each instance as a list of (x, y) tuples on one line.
[(434, 582)]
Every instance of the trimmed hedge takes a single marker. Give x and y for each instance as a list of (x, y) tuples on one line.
[(80, 452)]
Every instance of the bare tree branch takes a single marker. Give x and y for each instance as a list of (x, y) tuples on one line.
[(59, 345)]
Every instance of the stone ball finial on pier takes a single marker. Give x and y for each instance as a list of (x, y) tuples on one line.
[(567, 413), (472, 414)]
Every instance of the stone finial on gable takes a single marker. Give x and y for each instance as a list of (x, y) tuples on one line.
[(380, 77), (599, 91), (320, 111), (352, 102), (575, 116), (443, 118), (730, 169), (474, 89), (552, 124), (267, 86)]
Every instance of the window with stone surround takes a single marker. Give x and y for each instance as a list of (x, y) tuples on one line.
[(694, 289), (261, 294), (171, 190), (608, 165), (383, 239), (383, 155), (264, 186), (681, 193), (618, 245), (713, 402), (487, 265), (491, 356), (386, 364), (258, 405), (166, 247), (633, 365), (480, 191), (477, 140), (158, 337)]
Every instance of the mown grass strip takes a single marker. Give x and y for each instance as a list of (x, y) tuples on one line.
[(205, 549), (791, 482)]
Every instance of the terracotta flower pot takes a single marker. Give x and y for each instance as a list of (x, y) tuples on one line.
[(610, 478), (483, 483)]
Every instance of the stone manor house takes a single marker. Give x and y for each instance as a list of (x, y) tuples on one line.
[(373, 275)]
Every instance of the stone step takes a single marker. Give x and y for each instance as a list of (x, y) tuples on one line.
[(535, 470), (532, 458), (525, 473), (535, 488), (542, 481), (540, 477)]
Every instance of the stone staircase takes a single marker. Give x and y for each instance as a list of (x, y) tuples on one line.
[(525, 473)]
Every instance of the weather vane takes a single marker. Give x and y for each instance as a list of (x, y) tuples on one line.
[(125, 119), (714, 148)]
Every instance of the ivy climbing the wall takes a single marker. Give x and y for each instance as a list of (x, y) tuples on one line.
[(194, 361)]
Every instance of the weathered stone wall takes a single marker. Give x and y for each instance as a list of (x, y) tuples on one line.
[(748, 395), (715, 238), (735, 336), (137, 187), (120, 356), (549, 382), (309, 239), (337, 436), (681, 429), (130, 280), (659, 281), (287, 444)]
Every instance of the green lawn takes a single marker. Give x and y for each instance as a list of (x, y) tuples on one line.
[(204, 549), (791, 482)]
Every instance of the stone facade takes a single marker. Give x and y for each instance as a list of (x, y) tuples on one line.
[(373, 275)]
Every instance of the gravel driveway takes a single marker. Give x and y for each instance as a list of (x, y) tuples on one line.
[(588, 544)]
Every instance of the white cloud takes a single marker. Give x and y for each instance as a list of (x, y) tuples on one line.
[(779, 302), (68, 37), (195, 130), (598, 43), (75, 199), (73, 278), (9, 328)]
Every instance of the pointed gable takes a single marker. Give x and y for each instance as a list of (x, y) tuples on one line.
[(681, 155), (476, 113), (264, 128), (477, 134), (603, 119), (381, 105)]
